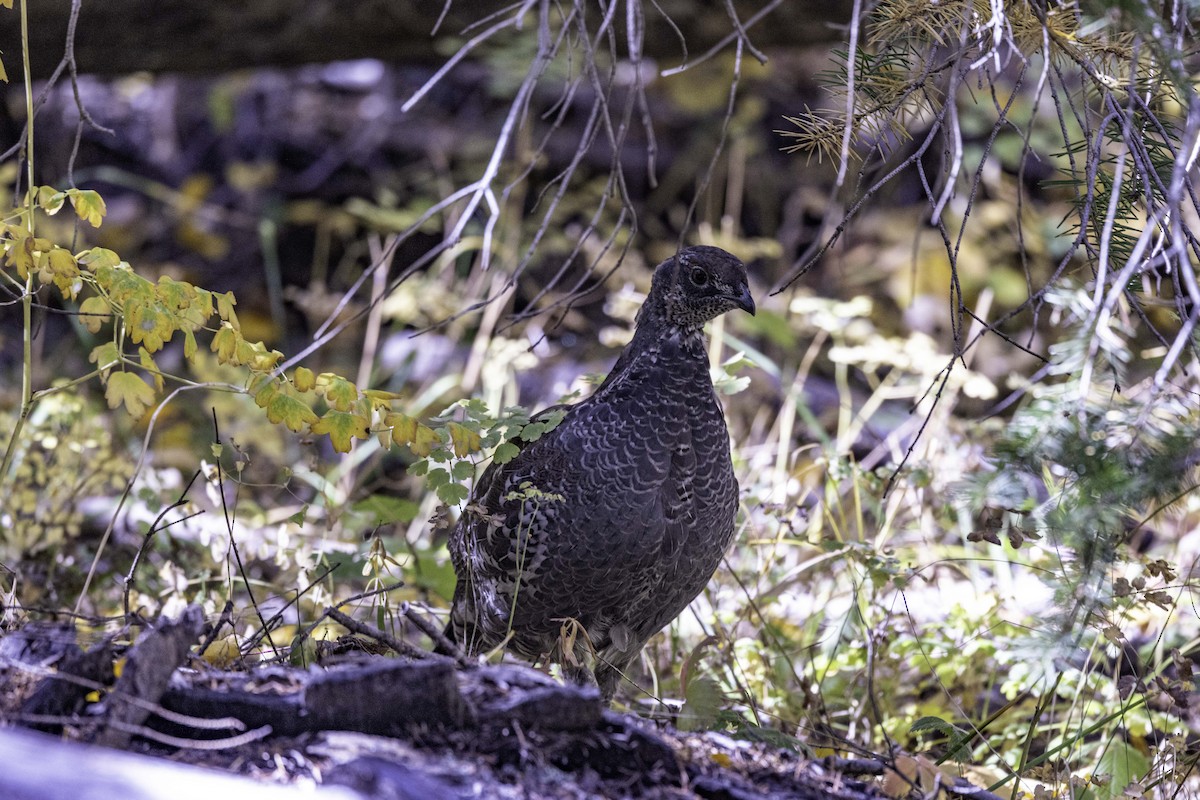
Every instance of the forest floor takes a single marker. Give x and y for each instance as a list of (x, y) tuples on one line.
[(383, 727)]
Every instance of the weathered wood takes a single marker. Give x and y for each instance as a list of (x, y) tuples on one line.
[(62, 697), (122, 36), (148, 668), (386, 697), (424, 730)]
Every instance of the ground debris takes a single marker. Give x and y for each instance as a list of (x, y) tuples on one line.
[(397, 728)]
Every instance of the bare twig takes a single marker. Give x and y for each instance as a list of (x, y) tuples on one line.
[(363, 629), (137, 557)]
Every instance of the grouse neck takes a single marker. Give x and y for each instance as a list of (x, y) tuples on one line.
[(653, 329), (655, 319)]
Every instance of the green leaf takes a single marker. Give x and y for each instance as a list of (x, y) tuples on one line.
[(932, 724), (291, 411), (506, 452), (533, 431), (1126, 765), (299, 517), (437, 478), (174, 294), (702, 704), (418, 468), (130, 390), (462, 470), (476, 409), (452, 493)]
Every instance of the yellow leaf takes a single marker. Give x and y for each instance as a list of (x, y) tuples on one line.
[(148, 364), (50, 199), (20, 253), (341, 393), (464, 439), (385, 438), (89, 205), (225, 304), (197, 312), (283, 406), (98, 257), (63, 263), (148, 324), (175, 295), (225, 344), (222, 652), (65, 271), (379, 399), (94, 313), (341, 428), (105, 356), (304, 380), (189, 345), (292, 412), (409, 431), (127, 388), (255, 355), (263, 397)]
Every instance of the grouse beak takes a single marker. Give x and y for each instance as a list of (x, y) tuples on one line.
[(745, 301)]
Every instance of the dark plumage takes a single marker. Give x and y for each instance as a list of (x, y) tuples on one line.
[(617, 517)]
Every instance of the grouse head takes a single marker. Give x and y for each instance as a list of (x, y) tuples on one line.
[(696, 285)]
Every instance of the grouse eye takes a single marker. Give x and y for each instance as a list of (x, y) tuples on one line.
[(699, 276)]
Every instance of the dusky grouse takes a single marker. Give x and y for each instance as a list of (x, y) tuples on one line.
[(618, 516)]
